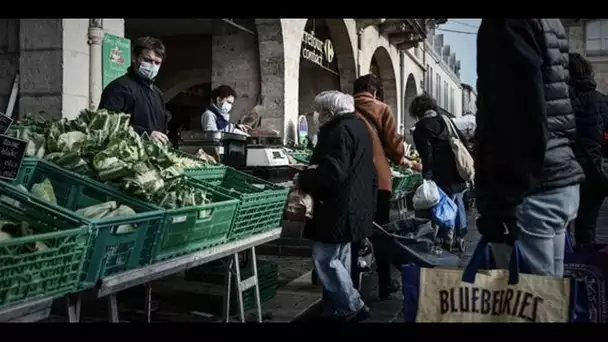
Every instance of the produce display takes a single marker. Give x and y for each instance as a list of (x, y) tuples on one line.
[(45, 191), (103, 146), (10, 230)]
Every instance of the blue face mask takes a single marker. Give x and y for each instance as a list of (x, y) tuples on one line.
[(148, 70)]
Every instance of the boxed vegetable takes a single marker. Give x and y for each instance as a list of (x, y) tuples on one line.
[(42, 248), (261, 206), (125, 228), (104, 147), (197, 217)]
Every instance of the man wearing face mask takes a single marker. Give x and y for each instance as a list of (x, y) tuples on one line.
[(135, 92), (217, 116)]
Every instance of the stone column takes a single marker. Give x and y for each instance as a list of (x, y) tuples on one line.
[(95, 61)]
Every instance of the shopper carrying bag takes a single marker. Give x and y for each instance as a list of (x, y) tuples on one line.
[(478, 295), (464, 162)]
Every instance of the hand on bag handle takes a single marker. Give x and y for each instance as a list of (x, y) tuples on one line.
[(480, 257)]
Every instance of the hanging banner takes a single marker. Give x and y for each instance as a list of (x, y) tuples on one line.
[(116, 57)]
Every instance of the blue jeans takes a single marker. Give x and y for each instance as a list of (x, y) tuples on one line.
[(543, 220), (333, 265)]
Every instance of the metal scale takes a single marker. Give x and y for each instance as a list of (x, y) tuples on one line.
[(266, 151)]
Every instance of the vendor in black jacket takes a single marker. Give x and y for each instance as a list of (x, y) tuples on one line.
[(136, 94), (343, 186), (590, 110), (527, 177)]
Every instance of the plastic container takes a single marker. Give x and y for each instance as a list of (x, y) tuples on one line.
[(209, 172), (190, 229), (261, 207), (214, 274), (110, 253), (28, 274)]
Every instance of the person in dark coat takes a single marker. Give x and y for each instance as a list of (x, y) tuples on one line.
[(343, 183), (432, 141), (527, 178), (135, 93), (590, 110)]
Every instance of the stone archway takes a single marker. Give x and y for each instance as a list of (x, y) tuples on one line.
[(385, 71), (184, 80), (273, 80), (328, 64), (347, 64), (411, 92)]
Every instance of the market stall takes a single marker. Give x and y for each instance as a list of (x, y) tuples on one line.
[(96, 206)]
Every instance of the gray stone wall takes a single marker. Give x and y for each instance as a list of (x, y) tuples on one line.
[(9, 58), (236, 62)]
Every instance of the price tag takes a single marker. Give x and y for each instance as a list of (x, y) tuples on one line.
[(145, 136), (5, 123), (12, 151)]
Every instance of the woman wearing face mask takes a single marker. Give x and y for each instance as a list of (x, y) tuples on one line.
[(217, 116)]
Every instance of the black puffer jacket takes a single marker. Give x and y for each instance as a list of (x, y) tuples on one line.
[(142, 99), (431, 138), (525, 122), (344, 185), (590, 110)]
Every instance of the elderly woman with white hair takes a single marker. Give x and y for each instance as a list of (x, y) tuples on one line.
[(343, 186)]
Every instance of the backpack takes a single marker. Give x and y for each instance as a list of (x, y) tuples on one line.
[(464, 162)]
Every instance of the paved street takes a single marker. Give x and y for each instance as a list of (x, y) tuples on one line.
[(391, 310)]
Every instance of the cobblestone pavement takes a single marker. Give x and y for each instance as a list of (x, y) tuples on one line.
[(290, 267)]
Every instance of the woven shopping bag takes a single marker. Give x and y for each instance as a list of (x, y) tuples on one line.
[(481, 295)]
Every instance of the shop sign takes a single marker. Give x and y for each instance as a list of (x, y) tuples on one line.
[(317, 51), (116, 57)]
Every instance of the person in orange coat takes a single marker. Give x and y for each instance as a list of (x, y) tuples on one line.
[(387, 145)]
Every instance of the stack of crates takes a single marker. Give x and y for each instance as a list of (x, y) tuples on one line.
[(50, 262), (214, 274), (261, 202)]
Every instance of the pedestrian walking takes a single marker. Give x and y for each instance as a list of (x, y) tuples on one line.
[(590, 110), (527, 177), (387, 145), (432, 140), (343, 184)]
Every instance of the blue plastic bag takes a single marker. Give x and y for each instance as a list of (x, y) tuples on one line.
[(444, 213)]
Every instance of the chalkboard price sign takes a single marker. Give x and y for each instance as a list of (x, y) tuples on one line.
[(12, 151), (5, 123)]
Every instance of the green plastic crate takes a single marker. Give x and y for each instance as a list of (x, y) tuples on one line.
[(412, 182), (111, 253), (187, 230), (208, 172), (52, 272), (261, 206), (214, 274), (302, 157)]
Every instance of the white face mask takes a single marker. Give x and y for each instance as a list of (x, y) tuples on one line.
[(148, 70), (226, 107)]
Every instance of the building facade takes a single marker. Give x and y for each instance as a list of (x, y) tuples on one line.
[(280, 64), (469, 100), (589, 37)]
